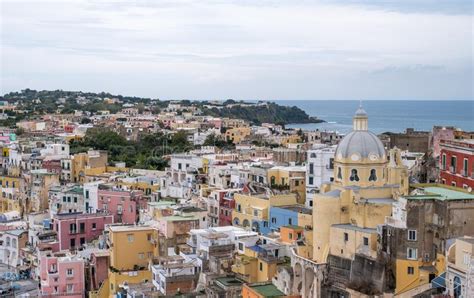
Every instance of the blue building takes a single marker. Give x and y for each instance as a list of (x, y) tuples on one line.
[(286, 215)]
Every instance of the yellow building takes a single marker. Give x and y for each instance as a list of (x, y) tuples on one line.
[(252, 211), (10, 199), (237, 134), (291, 178), (132, 248), (88, 163), (255, 266), (347, 211)]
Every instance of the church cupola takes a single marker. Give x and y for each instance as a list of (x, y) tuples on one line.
[(360, 120)]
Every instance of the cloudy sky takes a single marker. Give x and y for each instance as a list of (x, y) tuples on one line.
[(217, 49)]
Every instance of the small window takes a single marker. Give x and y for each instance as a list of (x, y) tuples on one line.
[(290, 236), (274, 220), (339, 173), (70, 272), (255, 212), (412, 253), (241, 246), (261, 266), (94, 226), (410, 270), (366, 241), (412, 235), (354, 175), (130, 238), (373, 175), (346, 237), (290, 221), (310, 180)]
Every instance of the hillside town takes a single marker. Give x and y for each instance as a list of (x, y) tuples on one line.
[(113, 197)]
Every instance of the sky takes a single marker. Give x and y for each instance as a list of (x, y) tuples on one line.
[(219, 49)]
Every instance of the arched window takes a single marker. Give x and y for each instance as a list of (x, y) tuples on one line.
[(373, 175), (354, 176), (339, 173), (313, 155)]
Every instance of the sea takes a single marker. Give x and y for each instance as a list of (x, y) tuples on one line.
[(386, 115)]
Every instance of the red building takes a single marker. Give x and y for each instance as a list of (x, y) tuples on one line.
[(457, 163), (76, 229), (52, 165), (227, 204)]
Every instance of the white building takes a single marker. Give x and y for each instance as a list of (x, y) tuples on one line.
[(319, 169), (11, 243)]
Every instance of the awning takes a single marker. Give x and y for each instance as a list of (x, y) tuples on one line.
[(439, 281)]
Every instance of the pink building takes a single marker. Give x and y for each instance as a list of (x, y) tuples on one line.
[(98, 268), (441, 133), (76, 229), (61, 275), (123, 205)]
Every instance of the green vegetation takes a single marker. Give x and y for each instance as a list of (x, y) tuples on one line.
[(147, 153), (213, 140), (269, 113)]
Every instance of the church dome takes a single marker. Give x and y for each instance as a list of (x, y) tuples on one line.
[(360, 143)]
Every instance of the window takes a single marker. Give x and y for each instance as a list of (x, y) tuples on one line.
[(274, 220), (412, 235), (412, 253), (290, 221), (331, 163), (443, 162), (373, 175), (130, 237), (70, 272), (453, 164), (410, 270), (64, 199), (272, 180), (141, 256), (70, 288), (297, 183), (466, 258), (72, 228), (75, 199), (346, 237), (310, 180), (366, 241), (239, 208), (241, 246), (255, 212), (354, 175), (261, 266), (290, 236), (94, 226), (465, 167), (453, 183), (311, 168)]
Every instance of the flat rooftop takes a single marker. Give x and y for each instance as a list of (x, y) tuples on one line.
[(437, 192), (128, 228), (267, 290), (297, 208)]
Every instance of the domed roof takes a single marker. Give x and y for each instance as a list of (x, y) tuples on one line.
[(363, 143), (360, 112)]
